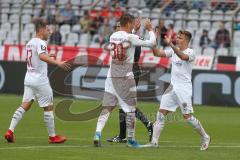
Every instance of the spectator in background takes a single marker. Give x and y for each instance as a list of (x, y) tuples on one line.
[(52, 2), (198, 4), (66, 14), (86, 22), (110, 3), (46, 12), (222, 37), (52, 16), (43, 13), (205, 41), (224, 5), (55, 37), (112, 19), (167, 6), (116, 10), (104, 31), (171, 32), (97, 22), (161, 30), (115, 3)]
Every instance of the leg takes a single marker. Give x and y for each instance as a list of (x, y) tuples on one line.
[(193, 121), (159, 125), (102, 119), (145, 121), (122, 124), (122, 115), (168, 104), (109, 102), (49, 122), (44, 97), (138, 112), (130, 109), (131, 124), (17, 116), (121, 137), (28, 97), (185, 103)]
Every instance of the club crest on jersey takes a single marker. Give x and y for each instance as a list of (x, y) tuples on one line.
[(43, 48)]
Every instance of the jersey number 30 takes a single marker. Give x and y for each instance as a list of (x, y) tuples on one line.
[(119, 52)]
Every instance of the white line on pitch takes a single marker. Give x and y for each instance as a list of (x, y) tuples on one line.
[(161, 141), (91, 146)]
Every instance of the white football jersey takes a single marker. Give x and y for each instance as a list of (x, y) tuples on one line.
[(181, 70), (36, 69), (122, 58)]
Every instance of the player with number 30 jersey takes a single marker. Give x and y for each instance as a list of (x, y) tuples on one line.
[(120, 85)]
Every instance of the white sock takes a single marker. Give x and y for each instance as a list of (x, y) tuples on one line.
[(158, 127), (197, 126), (17, 116), (130, 124), (49, 121), (102, 119)]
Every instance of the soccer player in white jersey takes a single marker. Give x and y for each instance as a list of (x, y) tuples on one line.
[(120, 86), (179, 92), (36, 83)]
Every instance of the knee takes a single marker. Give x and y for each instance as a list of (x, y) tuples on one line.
[(106, 111), (48, 108), (160, 117), (107, 108), (26, 105), (187, 116), (26, 108), (163, 112)]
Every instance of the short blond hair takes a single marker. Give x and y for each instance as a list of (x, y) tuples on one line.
[(186, 33)]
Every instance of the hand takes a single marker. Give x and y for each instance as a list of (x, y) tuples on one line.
[(157, 32), (137, 24), (64, 65), (168, 39), (148, 25)]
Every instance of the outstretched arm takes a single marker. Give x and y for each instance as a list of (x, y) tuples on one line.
[(158, 52), (138, 41), (62, 64)]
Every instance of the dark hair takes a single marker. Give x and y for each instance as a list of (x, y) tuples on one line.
[(116, 25), (125, 19), (171, 26), (205, 31), (85, 13), (186, 33), (39, 24)]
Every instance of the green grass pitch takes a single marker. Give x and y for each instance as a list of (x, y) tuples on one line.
[(178, 140)]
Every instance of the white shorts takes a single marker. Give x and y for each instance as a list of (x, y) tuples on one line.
[(120, 91), (43, 94), (174, 98)]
